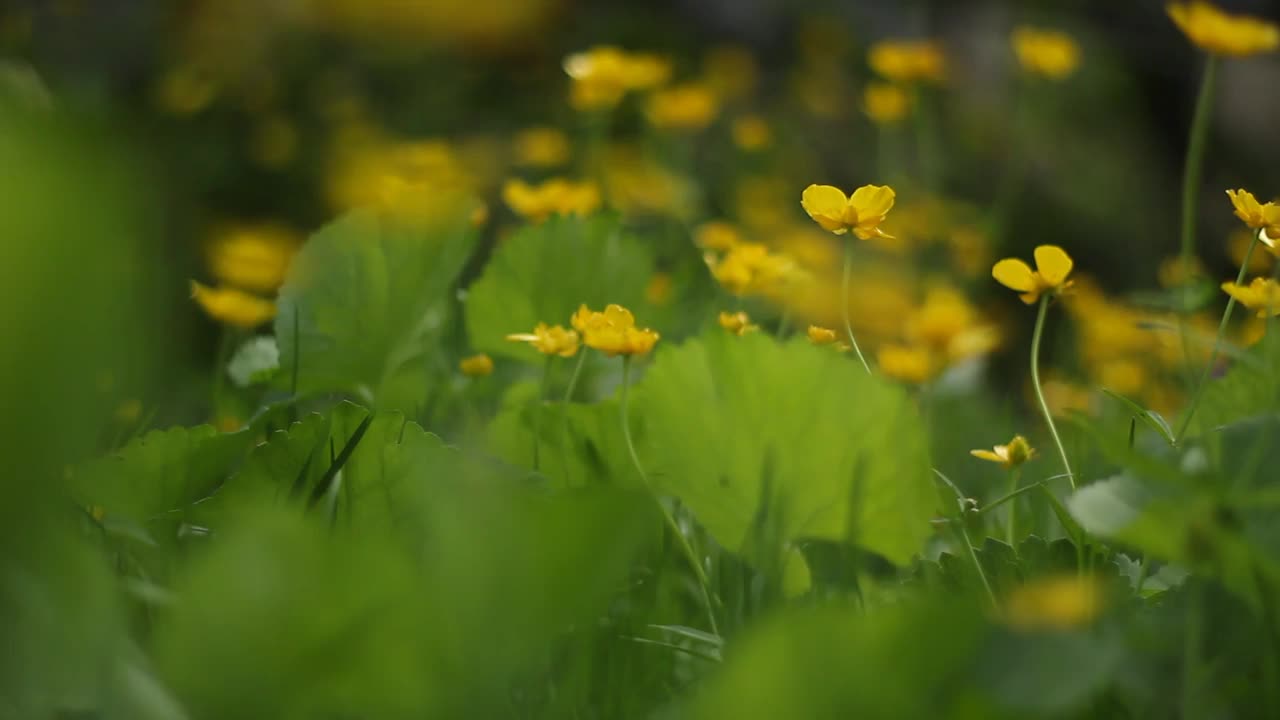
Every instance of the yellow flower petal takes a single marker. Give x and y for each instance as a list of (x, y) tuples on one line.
[(1053, 264), (826, 205), (872, 200), (987, 455), (1015, 275)]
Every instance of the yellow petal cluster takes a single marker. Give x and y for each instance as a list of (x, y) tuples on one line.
[(550, 340), (613, 331), (1010, 456), (1053, 265), (1222, 33), (717, 235), (1259, 216), (820, 335), (908, 363), (908, 61), (885, 103), (862, 212), (602, 75), (252, 257), (738, 323), (476, 365), (1049, 53), (949, 326), (751, 269), (556, 196), (1064, 602), (541, 147), (688, 107), (751, 133), (1261, 295), (233, 307)]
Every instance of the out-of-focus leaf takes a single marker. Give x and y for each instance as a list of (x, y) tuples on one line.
[(1150, 418), (257, 360), (364, 301), (580, 444), (545, 271), (787, 441), (1250, 387)]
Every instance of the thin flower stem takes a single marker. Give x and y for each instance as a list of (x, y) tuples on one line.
[(704, 584), (537, 413), (844, 301), (573, 378), (1035, 381), (1191, 173), (564, 411), (1217, 343), (1002, 500), (964, 535), (1011, 532)]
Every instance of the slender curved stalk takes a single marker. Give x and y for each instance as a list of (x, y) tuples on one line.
[(1191, 173), (537, 413), (1217, 343), (704, 583), (564, 409), (573, 378), (1035, 381), (964, 536), (844, 301)]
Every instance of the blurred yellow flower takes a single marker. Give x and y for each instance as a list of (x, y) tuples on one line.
[(1065, 397), (684, 107), (1259, 216), (737, 323), (947, 323), (862, 212), (751, 269), (552, 197), (820, 335), (603, 74), (613, 331), (885, 103), (730, 70), (1008, 456), (1060, 603), (717, 235), (909, 363), (1173, 272), (550, 340), (1050, 53), (252, 257), (658, 289), (540, 147), (751, 133), (476, 365), (908, 61), (1053, 265), (1222, 33), (1262, 295), (233, 307)]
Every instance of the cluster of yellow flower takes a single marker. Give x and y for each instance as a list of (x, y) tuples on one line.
[(612, 332), (248, 262)]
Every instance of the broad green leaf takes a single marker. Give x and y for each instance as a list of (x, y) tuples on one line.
[(770, 442), (1250, 387), (578, 444), (545, 271), (364, 303)]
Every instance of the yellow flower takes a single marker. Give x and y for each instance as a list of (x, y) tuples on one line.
[(731, 70), (1053, 265), (1063, 602), (717, 235), (885, 103), (1049, 53), (555, 196), (908, 363), (550, 340), (540, 147), (1008, 456), (949, 324), (1222, 33), (252, 257), (1173, 272), (603, 74), (1259, 216), (233, 307), (861, 212), (658, 289), (613, 331), (737, 323), (751, 133), (821, 335), (684, 107), (1262, 295), (476, 365), (750, 269), (907, 61)]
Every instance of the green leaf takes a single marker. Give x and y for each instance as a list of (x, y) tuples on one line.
[(364, 304), (1250, 387), (1150, 418), (256, 361), (770, 443), (545, 271)]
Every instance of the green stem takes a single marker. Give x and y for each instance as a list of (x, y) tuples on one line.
[(1191, 650), (1011, 532), (537, 413), (564, 409), (1143, 571), (844, 301), (1035, 381), (573, 379), (704, 584), (959, 523), (1217, 343), (1196, 143), (1006, 498), (926, 145)]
